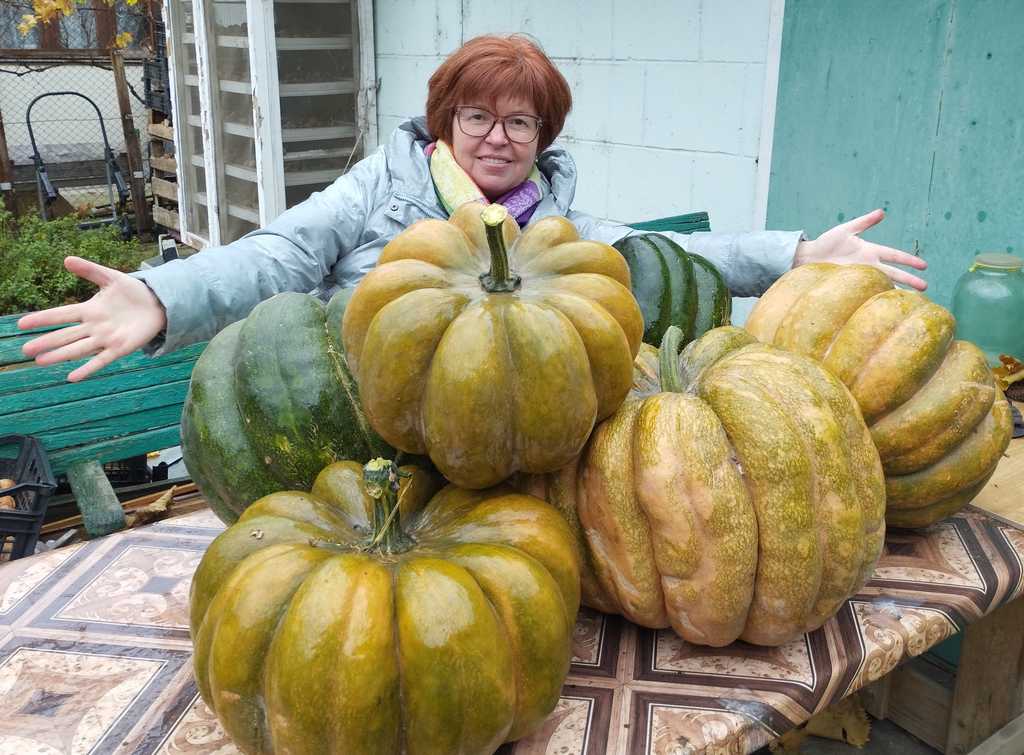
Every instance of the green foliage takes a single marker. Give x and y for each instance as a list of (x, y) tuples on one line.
[(32, 252)]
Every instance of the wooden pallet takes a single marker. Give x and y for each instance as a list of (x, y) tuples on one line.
[(164, 173)]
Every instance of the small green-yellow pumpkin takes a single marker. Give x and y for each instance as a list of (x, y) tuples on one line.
[(323, 624), (490, 351)]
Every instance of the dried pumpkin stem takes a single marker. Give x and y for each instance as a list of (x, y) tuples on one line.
[(668, 361), (499, 279), (380, 477)]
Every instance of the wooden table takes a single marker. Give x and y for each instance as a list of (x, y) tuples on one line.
[(1004, 494), (95, 654), (957, 713)]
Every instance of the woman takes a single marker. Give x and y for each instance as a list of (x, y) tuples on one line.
[(494, 107)]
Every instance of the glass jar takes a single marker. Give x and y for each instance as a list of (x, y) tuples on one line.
[(988, 304)]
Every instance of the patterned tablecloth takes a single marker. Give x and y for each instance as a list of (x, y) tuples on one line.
[(95, 652)]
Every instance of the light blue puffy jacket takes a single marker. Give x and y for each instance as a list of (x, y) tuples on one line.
[(333, 239)]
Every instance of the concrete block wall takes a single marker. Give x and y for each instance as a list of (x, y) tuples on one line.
[(673, 99)]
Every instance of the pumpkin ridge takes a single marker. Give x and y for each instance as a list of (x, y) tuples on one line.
[(789, 559), (903, 393)]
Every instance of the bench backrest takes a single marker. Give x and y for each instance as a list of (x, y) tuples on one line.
[(690, 223), (129, 408)]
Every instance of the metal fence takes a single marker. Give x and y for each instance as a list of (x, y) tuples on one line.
[(64, 116), (60, 112)]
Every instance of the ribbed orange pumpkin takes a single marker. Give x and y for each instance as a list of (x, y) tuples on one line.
[(492, 360), (735, 494), (936, 415)]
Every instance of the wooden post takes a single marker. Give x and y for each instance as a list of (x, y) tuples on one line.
[(988, 680), (101, 510), (6, 172), (143, 218)]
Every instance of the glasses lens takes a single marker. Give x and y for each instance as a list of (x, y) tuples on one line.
[(522, 128), (475, 122)]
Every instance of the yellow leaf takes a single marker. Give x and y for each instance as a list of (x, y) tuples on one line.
[(123, 39), (1010, 371)]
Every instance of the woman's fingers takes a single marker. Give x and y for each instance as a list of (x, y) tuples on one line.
[(861, 224), (91, 271), (897, 257), (56, 316), (95, 364), (901, 276), (83, 347), (53, 340)]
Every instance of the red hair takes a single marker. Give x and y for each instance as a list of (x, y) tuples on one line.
[(490, 67)]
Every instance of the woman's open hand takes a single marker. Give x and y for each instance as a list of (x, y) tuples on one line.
[(121, 317), (843, 244)]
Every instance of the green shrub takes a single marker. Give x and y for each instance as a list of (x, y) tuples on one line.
[(32, 252)]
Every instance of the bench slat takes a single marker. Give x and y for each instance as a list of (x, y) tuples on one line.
[(71, 436), (30, 377), (117, 448), (119, 406), (102, 385)]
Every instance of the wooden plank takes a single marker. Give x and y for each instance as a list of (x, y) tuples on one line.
[(1002, 495), (117, 426), (63, 394), (101, 56), (164, 188), (167, 218), (117, 448), (1009, 739), (262, 43), (173, 23), (31, 377), (165, 163), (208, 85), (161, 131), (920, 700), (6, 173), (876, 696), (136, 176), (366, 73), (988, 692)]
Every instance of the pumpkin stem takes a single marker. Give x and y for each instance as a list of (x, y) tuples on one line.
[(380, 477), (499, 279), (668, 361)]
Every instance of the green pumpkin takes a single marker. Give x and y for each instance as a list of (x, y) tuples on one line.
[(271, 403), (321, 624), (674, 287)]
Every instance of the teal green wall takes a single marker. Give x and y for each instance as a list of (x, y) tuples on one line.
[(915, 106)]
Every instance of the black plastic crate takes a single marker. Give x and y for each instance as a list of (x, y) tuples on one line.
[(23, 460)]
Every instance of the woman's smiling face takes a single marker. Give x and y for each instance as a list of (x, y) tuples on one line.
[(496, 163)]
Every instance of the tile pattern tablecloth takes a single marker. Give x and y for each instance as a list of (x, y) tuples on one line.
[(95, 652)]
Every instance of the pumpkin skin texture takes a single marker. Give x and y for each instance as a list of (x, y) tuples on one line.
[(321, 626), (271, 403), (746, 503), (937, 417), (492, 361), (674, 287)]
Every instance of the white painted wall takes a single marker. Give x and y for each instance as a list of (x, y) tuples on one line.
[(673, 99)]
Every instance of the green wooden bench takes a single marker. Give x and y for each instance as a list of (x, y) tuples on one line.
[(129, 408)]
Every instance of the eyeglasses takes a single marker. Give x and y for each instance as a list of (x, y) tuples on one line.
[(519, 127)]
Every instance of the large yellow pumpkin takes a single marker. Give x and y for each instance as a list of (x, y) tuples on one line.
[(937, 417), (492, 359), (328, 622), (735, 494)]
